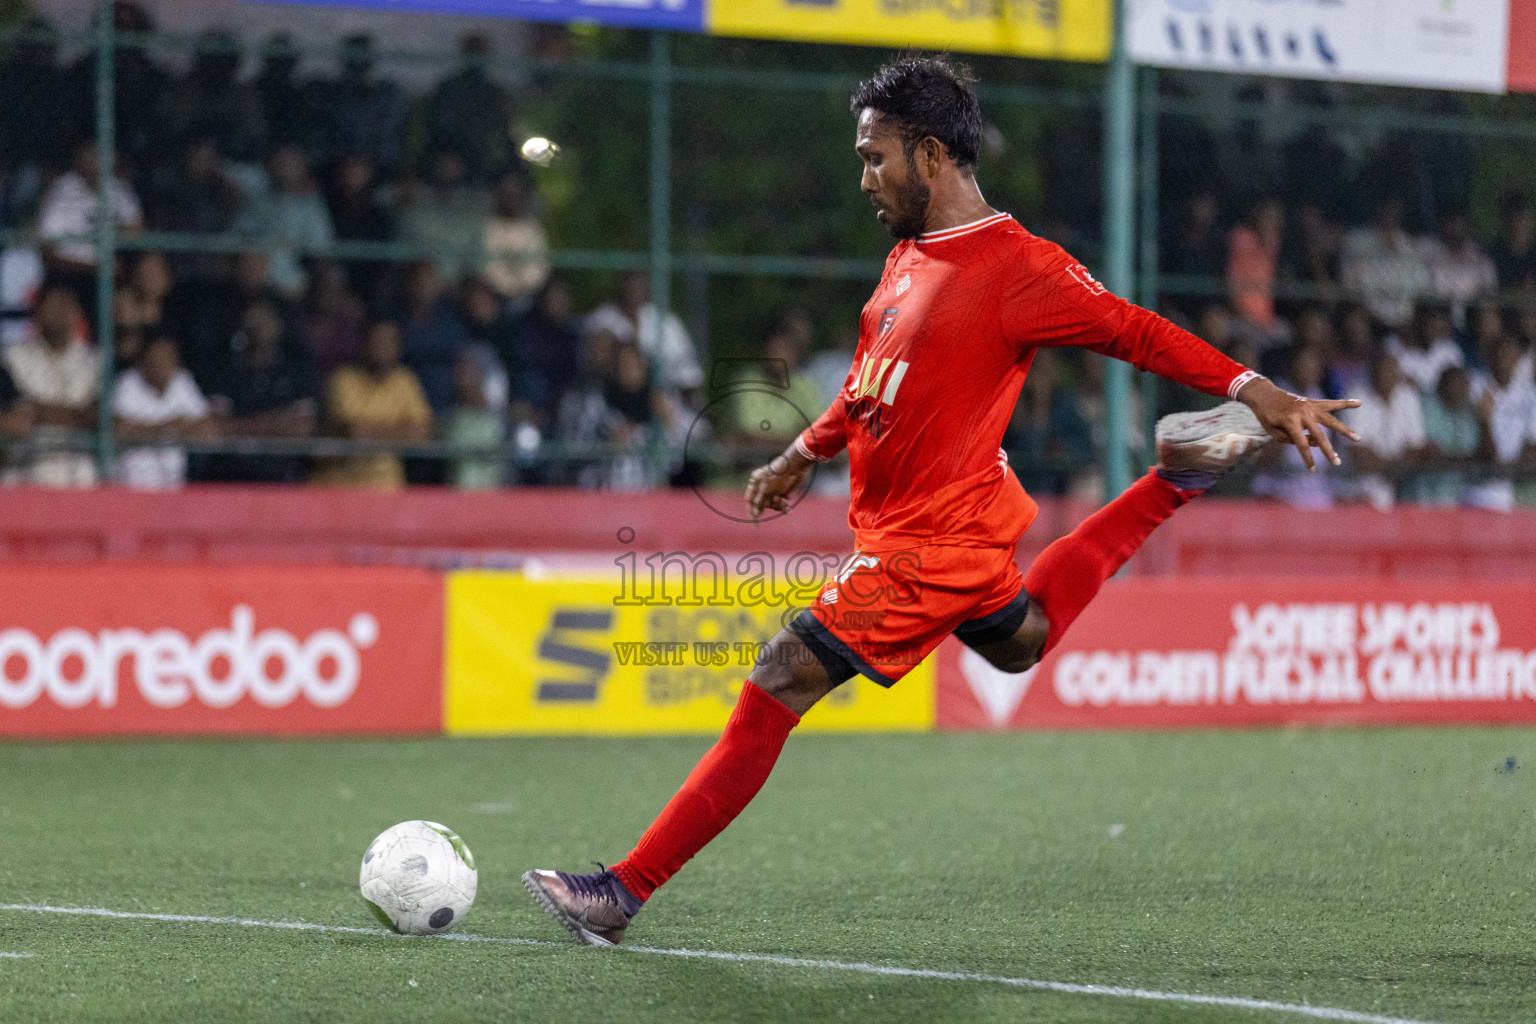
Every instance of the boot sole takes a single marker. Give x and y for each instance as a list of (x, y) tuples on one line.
[(1212, 441), (537, 891)]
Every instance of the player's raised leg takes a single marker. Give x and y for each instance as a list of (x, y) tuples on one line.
[(787, 680), (1193, 450)]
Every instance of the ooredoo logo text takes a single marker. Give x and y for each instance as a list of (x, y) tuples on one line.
[(274, 667)]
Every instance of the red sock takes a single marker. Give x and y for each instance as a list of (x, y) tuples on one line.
[(1070, 571), (723, 782)]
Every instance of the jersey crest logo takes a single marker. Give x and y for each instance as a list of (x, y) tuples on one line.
[(887, 321), (1081, 276), (903, 285)]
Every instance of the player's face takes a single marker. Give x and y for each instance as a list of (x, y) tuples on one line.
[(891, 178)]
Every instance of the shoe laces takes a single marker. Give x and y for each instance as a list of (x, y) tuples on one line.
[(602, 885)]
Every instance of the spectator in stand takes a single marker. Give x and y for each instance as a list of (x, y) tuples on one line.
[(138, 84), (1253, 257), (1312, 249), (470, 113), (59, 375), (1314, 331), (1214, 326), (1525, 316), (1427, 347), (1391, 420), (772, 401), (198, 197), (1358, 345), (545, 358), (587, 419), (476, 424), (266, 389), (129, 330), (1485, 327), (1459, 271), (1092, 402), (1195, 248), (209, 314), (149, 288), (35, 111), (17, 415), (432, 332), (516, 259), (1515, 254), (488, 338), (1283, 475), (332, 322), (292, 218), (157, 401), (285, 103), (830, 367), (632, 317), (378, 400), (644, 413), (1507, 400), (445, 216), (358, 216), (1386, 266), (139, 308), (1453, 433), (69, 209), (356, 113), (488, 322), (1048, 440), (211, 101)]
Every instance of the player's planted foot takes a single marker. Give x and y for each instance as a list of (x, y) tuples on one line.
[(1194, 448), (595, 907)]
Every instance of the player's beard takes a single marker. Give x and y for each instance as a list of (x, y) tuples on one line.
[(909, 213)]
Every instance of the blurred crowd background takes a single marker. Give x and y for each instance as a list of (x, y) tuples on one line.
[(383, 292)]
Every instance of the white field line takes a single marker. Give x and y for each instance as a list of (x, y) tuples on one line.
[(1112, 991), (16, 956)]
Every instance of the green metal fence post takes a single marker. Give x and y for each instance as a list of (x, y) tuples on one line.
[(1119, 232), (661, 208), (661, 179), (106, 229), (1146, 246)]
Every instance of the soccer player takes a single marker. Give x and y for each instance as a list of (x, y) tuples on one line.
[(967, 298)]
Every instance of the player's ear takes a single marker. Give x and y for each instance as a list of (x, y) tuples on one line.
[(931, 154)]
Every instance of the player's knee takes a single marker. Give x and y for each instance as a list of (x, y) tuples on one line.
[(1013, 661), (788, 672)]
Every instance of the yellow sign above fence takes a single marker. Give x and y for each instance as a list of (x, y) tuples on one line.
[(1057, 29), (531, 656)]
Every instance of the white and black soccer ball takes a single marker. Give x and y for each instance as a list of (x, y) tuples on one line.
[(420, 875)]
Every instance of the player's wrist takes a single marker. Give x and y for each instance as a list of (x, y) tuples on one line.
[(792, 460), (1253, 391)]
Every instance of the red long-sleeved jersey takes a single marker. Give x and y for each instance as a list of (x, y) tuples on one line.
[(944, 346)]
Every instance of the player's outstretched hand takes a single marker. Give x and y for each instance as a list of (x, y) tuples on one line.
[(774, 485), (1304, 422)]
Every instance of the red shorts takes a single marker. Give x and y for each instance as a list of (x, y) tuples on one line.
[(885, 611)]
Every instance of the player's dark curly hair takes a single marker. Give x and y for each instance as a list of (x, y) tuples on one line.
[(929, 96)]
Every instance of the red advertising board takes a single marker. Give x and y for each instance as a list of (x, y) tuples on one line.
[(1522, 45), (1192, 652), (100, 649)]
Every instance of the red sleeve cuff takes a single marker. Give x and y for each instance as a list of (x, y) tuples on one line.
[(803, 449), (1239, 381)]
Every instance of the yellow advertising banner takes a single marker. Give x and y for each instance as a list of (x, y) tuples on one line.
[(1056, 29), (552, 656)]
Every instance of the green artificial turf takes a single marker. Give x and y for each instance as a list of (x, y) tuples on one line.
[(1390, 872)]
